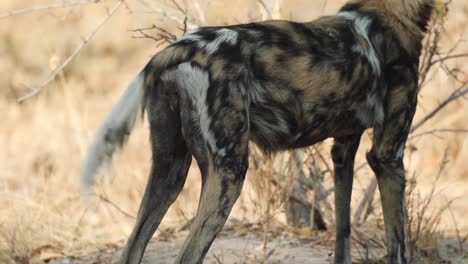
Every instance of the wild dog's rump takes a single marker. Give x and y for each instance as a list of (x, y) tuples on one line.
[(119, 123)]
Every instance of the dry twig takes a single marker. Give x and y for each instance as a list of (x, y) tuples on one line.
[(265, 8), (162, 36), (439, 130), (103, 197)]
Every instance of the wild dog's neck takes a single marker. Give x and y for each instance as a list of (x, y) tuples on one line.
[(418, 12), (408, 17)]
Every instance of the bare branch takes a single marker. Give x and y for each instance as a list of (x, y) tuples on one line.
[(440, 130), (201, 13), (265, 8), (365, 205), (449, 57), (322, 158), (184, 29), (454, 96), (64, 4), (83, 43), (166, 14), (162, 36), (104, 198), (178, 7)]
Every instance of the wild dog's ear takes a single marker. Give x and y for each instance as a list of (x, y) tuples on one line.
[(351, 5), (424, 13)]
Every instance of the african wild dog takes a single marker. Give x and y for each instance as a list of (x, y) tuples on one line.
[(283, 85)]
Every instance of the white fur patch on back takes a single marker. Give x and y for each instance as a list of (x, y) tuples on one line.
[(361, 25), (223, 35), (196, 82)]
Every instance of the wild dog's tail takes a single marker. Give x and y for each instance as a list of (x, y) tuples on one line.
[(120, 121), (113, 131)]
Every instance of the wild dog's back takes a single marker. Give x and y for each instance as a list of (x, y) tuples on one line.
[(310, 81), (307, 82)]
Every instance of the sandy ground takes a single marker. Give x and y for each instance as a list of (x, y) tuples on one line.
[(223, 250), (237, 250)]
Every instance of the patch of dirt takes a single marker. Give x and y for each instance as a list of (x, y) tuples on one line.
[(243, 250), (224, 250)]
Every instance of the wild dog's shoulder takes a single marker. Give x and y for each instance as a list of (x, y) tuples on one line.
[(388, 31)]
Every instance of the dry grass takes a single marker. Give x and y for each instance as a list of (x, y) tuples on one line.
[(43, 140)]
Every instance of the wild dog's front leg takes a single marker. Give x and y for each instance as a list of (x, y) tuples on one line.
[(386, 160), (343, 154), (391, 179)]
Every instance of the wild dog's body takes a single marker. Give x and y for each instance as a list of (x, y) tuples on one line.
[(283, 85)]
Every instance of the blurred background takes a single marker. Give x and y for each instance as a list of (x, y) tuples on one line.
[(44, 138)]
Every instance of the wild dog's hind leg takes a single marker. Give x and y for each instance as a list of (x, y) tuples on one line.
[(223, 163), (386, 160), (171, 161), (221, 189), (343, 154)]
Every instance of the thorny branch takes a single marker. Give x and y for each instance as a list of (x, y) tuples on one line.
[(84, 42), (64, 4)]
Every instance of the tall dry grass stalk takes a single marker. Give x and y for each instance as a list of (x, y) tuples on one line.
[(422, 217), (270, 189)]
